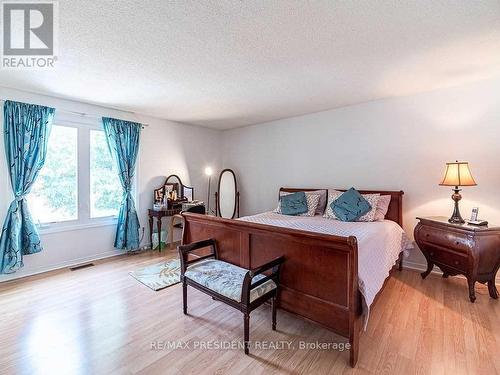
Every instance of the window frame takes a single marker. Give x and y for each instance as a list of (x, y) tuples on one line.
[(84, 220), (103, 218), (73, 221)]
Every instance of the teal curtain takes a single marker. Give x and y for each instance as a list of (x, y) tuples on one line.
[(27, 128), (123, 143)]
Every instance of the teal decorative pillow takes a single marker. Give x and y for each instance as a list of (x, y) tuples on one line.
[(350, 206), (294, 204)]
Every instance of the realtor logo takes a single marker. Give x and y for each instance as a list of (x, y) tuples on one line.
[(29, 34)]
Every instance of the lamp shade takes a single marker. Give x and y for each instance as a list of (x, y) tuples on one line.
[(458, 174)]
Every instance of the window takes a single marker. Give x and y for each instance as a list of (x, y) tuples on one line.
[(105, 188), (79, 183), (54, 196)]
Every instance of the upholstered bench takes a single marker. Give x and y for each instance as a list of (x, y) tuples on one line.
[(238, 287)]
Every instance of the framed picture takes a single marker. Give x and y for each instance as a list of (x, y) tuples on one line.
[(170, 187), (188, 193)]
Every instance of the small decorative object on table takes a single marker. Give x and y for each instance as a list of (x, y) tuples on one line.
[(474, 220), (457, 174), (158, 206), (472, 251), (189, 205)]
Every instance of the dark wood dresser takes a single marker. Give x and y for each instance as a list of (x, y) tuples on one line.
[(464, 249)]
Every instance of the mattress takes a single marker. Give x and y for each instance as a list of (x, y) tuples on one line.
[(379, 245)]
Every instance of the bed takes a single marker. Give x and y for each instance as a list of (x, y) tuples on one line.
[(333, 271)]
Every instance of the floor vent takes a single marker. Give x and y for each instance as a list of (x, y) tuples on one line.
[(81, 266)]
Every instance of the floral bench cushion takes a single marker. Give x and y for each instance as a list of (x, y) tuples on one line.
[(226, 279)]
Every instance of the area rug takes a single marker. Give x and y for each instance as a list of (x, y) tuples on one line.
[(159, 276)]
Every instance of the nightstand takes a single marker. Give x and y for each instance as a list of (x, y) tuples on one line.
[(472, 251)]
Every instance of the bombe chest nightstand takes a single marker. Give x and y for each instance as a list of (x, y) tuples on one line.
[(472, 251)]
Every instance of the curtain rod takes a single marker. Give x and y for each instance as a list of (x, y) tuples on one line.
[(83, 114)]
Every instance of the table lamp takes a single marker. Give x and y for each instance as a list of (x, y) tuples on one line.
[(457, 174)]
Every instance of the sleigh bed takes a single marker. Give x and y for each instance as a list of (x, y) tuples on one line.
[(320, 278)]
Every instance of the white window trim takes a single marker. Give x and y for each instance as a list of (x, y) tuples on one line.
[(68, 226), (83, 174)]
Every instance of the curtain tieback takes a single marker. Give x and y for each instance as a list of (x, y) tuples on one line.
[(20, 197)]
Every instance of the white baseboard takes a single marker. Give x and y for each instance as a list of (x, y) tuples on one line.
[(66, 264), (415, 266)]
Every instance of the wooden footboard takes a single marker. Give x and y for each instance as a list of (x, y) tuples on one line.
[(319, 277)]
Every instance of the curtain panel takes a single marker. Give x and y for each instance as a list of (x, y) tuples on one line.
[(26, 132), (123, 143)]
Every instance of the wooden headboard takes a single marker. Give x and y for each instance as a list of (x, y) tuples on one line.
[(394, 213)]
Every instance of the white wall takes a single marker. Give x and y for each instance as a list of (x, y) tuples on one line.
[(166, 147), (393, 144)]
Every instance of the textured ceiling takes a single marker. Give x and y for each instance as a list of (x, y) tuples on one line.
[(225, 64)]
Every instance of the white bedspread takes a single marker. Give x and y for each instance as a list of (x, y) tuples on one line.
[(379, 245)]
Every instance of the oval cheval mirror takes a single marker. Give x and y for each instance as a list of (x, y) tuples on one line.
[(227, 195)]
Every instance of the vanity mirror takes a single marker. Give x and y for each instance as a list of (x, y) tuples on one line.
[(227, 196), (172, 193)]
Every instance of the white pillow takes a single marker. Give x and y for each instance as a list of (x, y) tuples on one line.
[(382, 207), (332, 195), (373, 200), (369, 216), (312, 204)]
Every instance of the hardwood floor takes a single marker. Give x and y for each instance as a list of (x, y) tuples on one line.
[(99, 320)]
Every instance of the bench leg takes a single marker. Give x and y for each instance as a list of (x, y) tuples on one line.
[(184, 298), (273, 308), (246, 321)]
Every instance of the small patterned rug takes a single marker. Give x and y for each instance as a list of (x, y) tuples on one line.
[(159, 276)]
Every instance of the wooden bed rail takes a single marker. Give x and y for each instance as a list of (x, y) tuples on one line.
[(312, 261)]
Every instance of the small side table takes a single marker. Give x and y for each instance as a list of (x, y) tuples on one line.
[(159, 215), (463, 249)]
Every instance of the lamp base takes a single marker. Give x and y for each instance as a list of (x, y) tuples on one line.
[(456, 218)]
